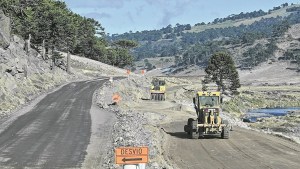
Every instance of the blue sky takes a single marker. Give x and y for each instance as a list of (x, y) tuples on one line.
[(120, 16)]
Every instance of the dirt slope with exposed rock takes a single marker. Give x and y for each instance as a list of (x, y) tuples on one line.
[(24, 75)]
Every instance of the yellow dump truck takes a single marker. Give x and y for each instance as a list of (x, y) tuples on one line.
[(158, 90), (208, 122)]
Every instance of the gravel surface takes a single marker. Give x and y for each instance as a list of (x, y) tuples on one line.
[(132, 128)]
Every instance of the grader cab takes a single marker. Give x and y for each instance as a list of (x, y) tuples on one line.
[(208, 122)]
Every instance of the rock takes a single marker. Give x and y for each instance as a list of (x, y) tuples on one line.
[(18, 40), (20, 70), (20, 76), (295, 113), (155, 165), (13, 71), (4, 30), (3, 68), (4, 56)]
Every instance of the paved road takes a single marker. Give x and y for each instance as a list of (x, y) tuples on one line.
[(245, 149), (55, 133)]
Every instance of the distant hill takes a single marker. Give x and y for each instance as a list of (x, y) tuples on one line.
[(244, 18), (251, 38)]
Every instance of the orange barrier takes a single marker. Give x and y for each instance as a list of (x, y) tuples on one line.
[(116, 98)]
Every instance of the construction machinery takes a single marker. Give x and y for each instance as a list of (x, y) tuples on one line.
[(158, 89), (208, 122)]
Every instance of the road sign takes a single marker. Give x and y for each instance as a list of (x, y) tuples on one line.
[(131, 155)]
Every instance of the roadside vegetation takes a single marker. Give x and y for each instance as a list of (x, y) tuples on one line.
[(254, 97)]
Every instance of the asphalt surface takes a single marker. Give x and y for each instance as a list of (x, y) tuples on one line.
[(55, 133), (244, 149)]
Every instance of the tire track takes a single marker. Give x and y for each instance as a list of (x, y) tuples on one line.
[(248, 156), (212, 157)]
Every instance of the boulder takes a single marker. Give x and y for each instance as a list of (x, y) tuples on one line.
[(4, 57), (4, 30), (3, 68), (18, 40)]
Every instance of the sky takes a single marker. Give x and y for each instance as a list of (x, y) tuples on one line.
[(120, 16)]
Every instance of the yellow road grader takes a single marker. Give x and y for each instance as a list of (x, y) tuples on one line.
[(208, 122), (158, 90)]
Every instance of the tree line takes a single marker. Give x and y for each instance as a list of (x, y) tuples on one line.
[(51, 22), (195, 47)]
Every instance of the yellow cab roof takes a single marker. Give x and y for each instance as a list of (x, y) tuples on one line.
[(205, 93)]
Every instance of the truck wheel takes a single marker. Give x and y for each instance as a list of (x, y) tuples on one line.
[(190, 120), (201, 132), (194, 133), (155, 96), (225, 132), (160, 97), (187, 128)]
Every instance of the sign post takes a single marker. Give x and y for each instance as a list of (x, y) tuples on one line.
[(128, 72), (132, 156)]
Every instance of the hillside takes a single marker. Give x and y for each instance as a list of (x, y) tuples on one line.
[(275, 71), (251, 38), (26, 75), (230, 23), (51, 26)]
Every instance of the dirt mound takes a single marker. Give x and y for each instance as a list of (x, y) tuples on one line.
[(133, 127)]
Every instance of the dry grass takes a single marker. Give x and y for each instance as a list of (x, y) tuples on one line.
[(281, 12), (156, 62)]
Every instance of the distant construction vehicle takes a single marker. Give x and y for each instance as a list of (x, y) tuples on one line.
[(158, 90), (208, 122)]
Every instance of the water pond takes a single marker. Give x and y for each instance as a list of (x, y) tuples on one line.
[(252, 115)]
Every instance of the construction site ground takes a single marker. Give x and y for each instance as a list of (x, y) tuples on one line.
[(246, 148)]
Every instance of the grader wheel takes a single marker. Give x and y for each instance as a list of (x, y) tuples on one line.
[(193, 134), (225, 130), (225, 133)]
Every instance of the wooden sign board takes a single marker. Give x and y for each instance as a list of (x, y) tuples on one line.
[(131, 155)]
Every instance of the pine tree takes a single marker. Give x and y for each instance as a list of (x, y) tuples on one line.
[(221, 70)]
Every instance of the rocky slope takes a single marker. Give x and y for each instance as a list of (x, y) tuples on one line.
[(5, 30), (24, 75)]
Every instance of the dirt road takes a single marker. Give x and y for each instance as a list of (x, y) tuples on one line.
[(56, 132), (244, 149)]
